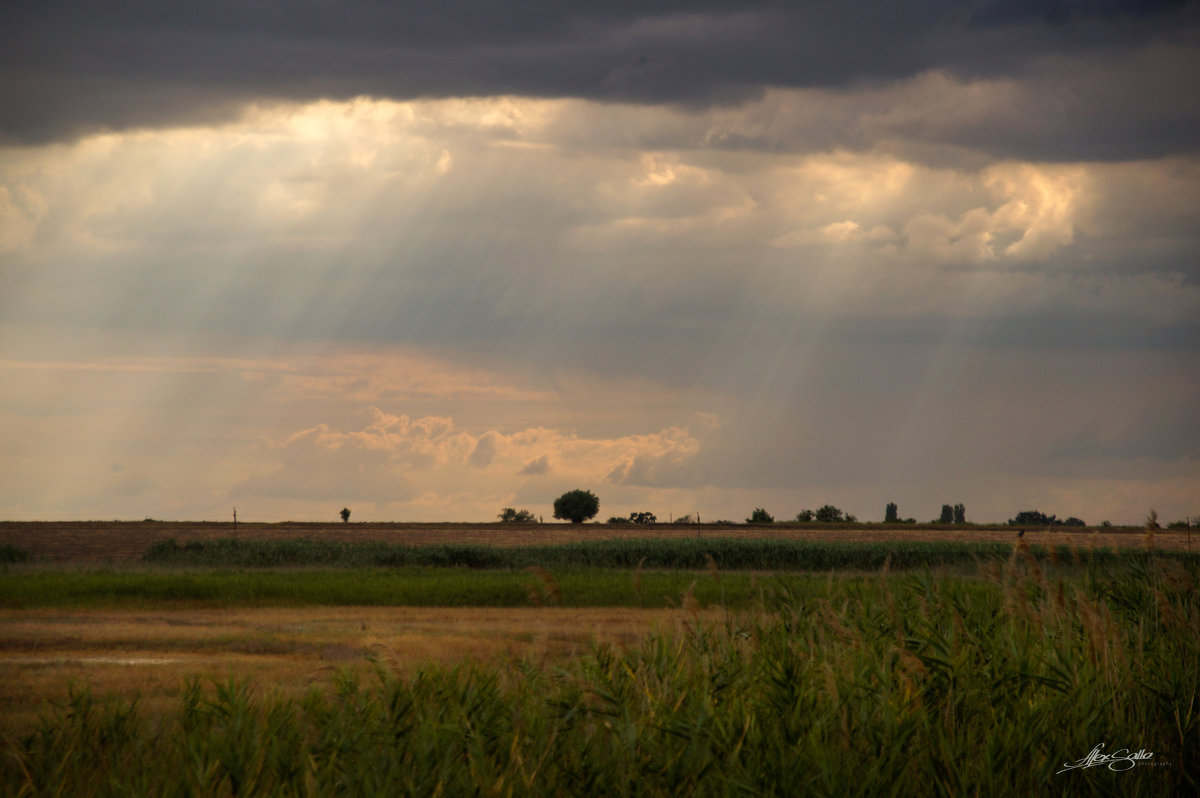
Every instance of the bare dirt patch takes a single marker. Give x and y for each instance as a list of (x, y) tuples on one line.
[(150, 655), (116, 541)]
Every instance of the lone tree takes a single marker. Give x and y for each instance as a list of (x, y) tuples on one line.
[(576, 506), (760, 516), (892, 514), (345, 515), (829, 514)]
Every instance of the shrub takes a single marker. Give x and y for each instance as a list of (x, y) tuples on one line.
[(576, 506), (829, 515), (1035, 518), (510, 515), (805, 516), (10, 553)]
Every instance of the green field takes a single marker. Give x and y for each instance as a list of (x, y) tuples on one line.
[(410, 587), (983, 676), (758, 554), (731, 573)]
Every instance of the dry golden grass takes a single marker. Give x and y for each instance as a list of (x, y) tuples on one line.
[(149, 654)]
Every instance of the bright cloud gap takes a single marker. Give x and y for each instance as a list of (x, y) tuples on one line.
[(694, 308)]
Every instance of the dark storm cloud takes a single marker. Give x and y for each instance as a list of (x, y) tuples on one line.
[(120, 64)]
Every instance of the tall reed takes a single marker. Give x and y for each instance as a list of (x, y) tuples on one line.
[(904, 684)]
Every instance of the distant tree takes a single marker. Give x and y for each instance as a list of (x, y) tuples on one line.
[(1035, 518), (345, 515), (892, 514), (576, 506), (960, 513), (947, 516), (829, 515), (643, 518), (805, 516), (618, 519), (760, 516), (685, 519), (510, 515)]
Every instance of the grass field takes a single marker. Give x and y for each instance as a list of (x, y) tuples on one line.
[(408, 587), (129, 541), (980, 675)]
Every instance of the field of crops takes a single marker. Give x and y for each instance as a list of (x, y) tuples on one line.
[(113, 541), (896, 684), (709, 663)]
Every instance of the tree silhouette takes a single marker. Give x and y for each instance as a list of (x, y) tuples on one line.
[(829, 515), (576, 506)]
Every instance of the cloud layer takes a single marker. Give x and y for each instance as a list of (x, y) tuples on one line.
[(1040, 74), (440, 261)]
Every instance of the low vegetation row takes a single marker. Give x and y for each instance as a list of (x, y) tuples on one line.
[(902, 685), (125, 589), (756, 554)]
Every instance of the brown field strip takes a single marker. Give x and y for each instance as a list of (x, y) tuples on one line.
[(124, 541), (150, 654)]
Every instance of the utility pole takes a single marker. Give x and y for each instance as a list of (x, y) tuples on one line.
[(235, 520)]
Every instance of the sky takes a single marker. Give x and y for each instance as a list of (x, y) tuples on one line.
[(428, 261)]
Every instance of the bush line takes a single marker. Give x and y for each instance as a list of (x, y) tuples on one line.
[(689, 554)]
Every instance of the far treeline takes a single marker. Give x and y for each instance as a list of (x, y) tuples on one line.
[(582, 505)]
